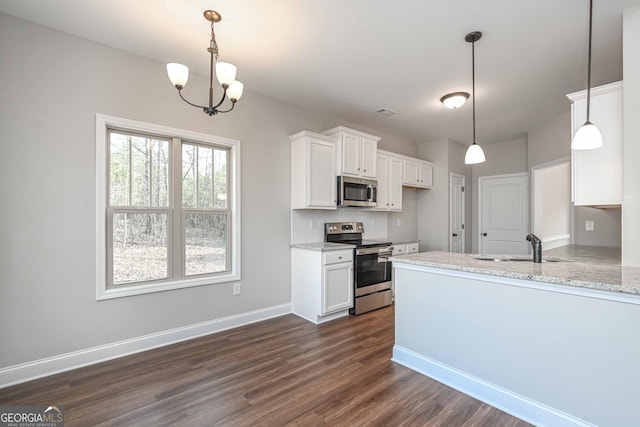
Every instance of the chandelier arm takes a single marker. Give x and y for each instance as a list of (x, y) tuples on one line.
[(190, 103), (233, 104), (224, 96)]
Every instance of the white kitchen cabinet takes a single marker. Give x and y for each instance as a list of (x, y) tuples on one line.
[(418, 173), (401, 249), (389, 170), (596, 175), (313, 171), (357, 152), (404, 248), (321, 284)]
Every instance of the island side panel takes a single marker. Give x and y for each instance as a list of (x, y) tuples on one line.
[(576, 354)]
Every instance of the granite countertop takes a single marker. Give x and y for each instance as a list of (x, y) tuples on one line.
[(580, 266), (328, 246), (322, 246), (405, 241)]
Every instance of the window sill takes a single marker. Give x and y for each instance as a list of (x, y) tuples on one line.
[(141, 289)]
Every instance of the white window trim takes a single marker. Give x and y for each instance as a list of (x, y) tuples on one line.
[(102, 291)]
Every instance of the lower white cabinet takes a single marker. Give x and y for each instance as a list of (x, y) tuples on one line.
[(402, 249), (405, 248), (321, 284)]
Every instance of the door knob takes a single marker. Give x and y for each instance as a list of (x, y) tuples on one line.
[(484, 234)]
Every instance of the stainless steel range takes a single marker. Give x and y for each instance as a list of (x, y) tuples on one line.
[(372, 268)]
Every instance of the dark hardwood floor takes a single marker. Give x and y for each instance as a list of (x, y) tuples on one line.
[(284, 371)]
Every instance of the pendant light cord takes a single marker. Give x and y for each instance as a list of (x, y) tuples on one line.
[(473, 86), (589, 60)]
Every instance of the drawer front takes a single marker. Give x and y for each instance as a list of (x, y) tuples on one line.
[(399, 249), (412, 248), (334, 257)]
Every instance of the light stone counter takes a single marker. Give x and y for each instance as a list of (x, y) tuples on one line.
[(582, 267), (322, 246)]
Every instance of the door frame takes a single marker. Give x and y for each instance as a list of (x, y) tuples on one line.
[(480, 181), (462, 209)]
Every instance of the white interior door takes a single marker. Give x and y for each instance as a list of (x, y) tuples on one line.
[(504, 219), (456, 213)]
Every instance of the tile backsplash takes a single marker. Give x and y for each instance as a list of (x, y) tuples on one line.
[(308, 225)]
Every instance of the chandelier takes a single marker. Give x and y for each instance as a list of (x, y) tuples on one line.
[(225, 72)]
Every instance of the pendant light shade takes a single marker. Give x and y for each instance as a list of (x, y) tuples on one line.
[(474, 153), (588, 136)]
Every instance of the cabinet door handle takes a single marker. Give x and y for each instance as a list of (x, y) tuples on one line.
[(339, 257), (455, 234), (364, 170), (484, 234)]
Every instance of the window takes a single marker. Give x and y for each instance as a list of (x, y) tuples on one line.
[(168, 208)]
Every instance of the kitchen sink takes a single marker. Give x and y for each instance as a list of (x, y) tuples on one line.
[(504, 259)]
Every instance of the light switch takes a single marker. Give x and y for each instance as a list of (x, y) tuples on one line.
[(589, 225)]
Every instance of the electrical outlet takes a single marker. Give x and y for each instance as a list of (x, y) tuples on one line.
[(589, 225), (312, 223), (398, 222), (237, 288)]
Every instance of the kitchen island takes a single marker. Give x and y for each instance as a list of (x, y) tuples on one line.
[(554, 344)]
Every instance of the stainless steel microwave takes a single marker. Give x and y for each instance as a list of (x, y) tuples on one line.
[(357, 192)]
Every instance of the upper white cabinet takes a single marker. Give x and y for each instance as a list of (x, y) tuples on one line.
[(313, 171), (389, 170), (418, 173), (357, 152), (596, 175)]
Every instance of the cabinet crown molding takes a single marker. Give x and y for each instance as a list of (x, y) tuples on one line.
[(599, 90)]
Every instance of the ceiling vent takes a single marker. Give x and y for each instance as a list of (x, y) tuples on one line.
[(386, 112)]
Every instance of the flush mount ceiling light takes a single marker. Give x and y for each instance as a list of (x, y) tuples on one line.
[(588, 136), (454, 100), (225, 72), (474, 153)]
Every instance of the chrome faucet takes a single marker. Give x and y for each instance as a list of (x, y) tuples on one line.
[(536, 244)]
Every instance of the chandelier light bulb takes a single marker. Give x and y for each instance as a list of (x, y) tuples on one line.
[(178, 74), (235, 91), (226, 73)]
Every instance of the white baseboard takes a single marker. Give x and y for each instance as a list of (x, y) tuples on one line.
[(512, 403), (551, 242), (65, 362)]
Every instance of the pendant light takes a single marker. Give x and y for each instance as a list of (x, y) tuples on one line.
[(474, 153), (588, 136)]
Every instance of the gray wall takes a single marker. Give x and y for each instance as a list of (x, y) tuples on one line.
[(433, 205), (54, 86), (552, 141), (502, 158), (631, 137)]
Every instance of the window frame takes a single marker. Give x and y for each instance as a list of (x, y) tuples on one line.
[(175, 210)]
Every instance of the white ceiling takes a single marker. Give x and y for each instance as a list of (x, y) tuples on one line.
[(348, 58)]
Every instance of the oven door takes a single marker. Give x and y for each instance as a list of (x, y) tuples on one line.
[(372, 270)]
